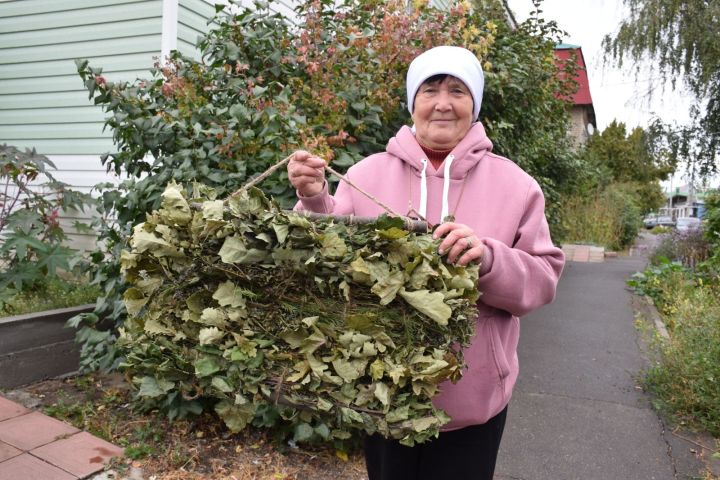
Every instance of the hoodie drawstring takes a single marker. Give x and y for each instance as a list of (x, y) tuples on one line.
[(446, 188), (423, 188)]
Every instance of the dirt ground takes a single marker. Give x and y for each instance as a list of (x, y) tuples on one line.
[(201, 448)]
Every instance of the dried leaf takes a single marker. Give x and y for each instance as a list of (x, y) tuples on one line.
[(234, 251), (261, 305), (134, 300), (210, 335), (228, 294), (431, 304)]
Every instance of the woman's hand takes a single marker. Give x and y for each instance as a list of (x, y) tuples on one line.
[(306, 173), (459, 238)]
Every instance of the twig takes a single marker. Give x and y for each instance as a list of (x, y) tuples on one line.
[(263, 175), (19, 191), (345, 179), (285, 401), (695, 443), (135, 421), (279, 385), (411, 224)]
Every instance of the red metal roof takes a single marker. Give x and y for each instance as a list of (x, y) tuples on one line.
[(582, 96)]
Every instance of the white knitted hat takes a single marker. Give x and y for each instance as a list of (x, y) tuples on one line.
[(456, 61)]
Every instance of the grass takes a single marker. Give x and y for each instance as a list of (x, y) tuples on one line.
[(660, 229), (189, 449), (51, 294), (685, 377)]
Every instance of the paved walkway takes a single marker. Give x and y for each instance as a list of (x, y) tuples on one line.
[(577, 412), (34, 446)]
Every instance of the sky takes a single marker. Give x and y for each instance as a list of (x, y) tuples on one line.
[(616, 93)]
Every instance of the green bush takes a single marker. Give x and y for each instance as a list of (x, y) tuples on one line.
[(685, 376), (660, 282), (689, 248), (686, 380), (610, 217), (711, 221), (333, 83), (31, 200)]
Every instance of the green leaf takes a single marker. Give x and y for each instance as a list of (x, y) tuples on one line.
[(349, 415), (360, 271), (221, 384), (153, 387), (333, 246), (398, 414), (421, 275), (155, 326), (206, 366), (236, 417), (323, 431), (393, 233), (303, 432), (293, 338), (196, 301), (281, 232)]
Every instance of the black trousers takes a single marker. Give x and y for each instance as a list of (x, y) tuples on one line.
[(466, 454)]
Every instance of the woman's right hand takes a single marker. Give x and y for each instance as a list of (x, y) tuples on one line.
[(306, 173)]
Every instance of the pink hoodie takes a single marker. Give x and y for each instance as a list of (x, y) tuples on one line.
[(505, 208)]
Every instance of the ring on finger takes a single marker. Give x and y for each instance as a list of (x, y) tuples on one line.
[(468, 242)]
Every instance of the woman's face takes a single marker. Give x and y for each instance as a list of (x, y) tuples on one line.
[(442, 112)]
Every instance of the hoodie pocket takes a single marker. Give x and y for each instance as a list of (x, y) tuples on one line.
[(498, 347)]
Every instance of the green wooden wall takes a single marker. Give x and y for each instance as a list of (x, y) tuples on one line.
[(43, 103), (193, 17)]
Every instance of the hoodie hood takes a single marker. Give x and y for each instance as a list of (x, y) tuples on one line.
[(465, 156), (471, 149)]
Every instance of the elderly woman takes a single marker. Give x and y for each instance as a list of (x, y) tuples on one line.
[(493, 212)]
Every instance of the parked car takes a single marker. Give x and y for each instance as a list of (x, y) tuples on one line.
[(665, 221), (650, 221), (686, 224)]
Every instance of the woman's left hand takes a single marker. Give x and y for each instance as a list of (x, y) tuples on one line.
[(459, 238)]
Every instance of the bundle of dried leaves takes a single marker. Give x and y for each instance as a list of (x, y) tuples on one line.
[(273, 319)]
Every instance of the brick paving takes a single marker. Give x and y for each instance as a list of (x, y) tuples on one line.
[(585, 253), (34, 446)]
